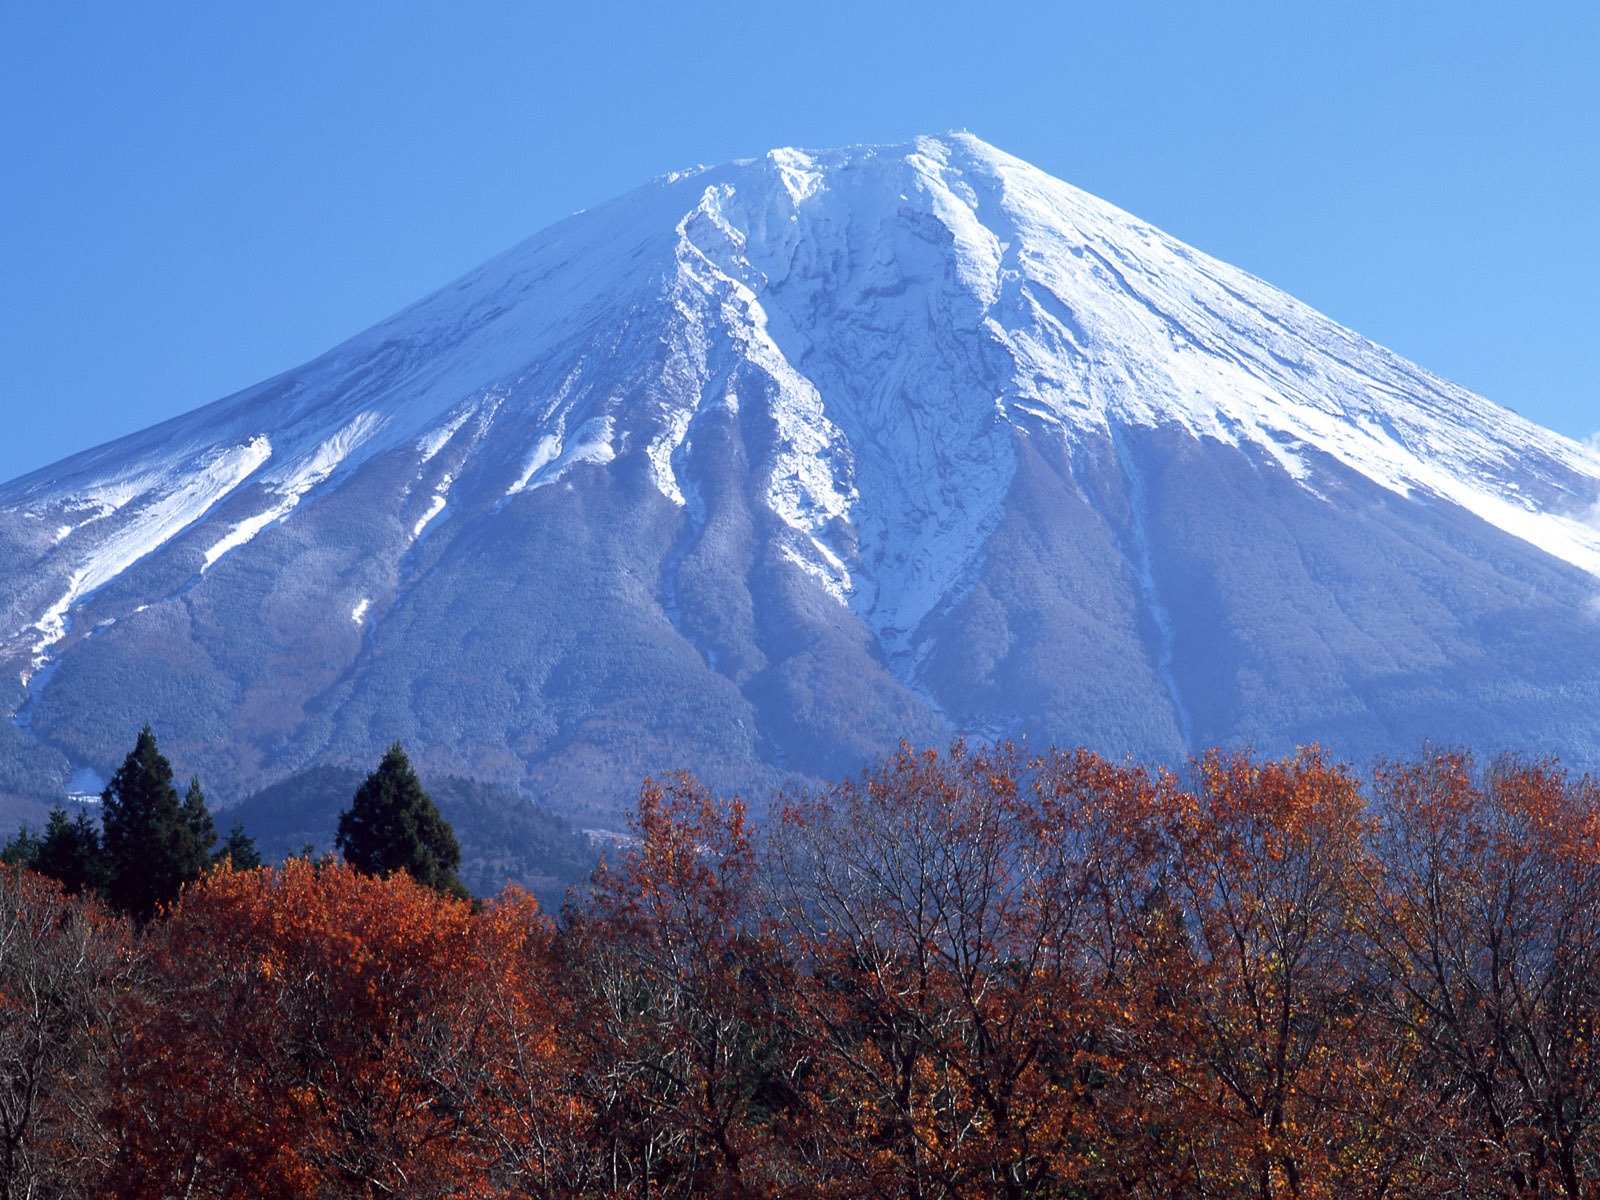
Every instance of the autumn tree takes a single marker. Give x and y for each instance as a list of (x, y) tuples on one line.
[(155, 841), (67, 972), (971, 973), (317, 1031), (941, 909), (393, 825), (532, 1115), (1105, 832), (1260, 1042), (688, 1073), (1486, 930)]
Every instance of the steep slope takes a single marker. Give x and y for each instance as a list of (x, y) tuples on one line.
[(762, 467)]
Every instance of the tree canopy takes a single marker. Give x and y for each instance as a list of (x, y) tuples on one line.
[(976, 975)]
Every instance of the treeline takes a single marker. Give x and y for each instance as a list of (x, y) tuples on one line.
[(147, 844), (972, 974)]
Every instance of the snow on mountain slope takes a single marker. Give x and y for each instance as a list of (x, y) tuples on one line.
[(1102, 318), (844, 364), (816, 271)]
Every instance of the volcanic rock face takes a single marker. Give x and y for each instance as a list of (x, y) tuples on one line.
[(761, 468)]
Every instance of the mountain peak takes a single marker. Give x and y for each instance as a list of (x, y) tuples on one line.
[(935, 295), (843, 386)]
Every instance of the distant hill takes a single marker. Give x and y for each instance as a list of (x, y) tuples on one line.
[(504, 838)]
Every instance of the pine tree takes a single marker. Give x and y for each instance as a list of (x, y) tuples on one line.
[(154, 841), (71, 853), (21, 849), (197, 818), (239, 849), (392, 825)]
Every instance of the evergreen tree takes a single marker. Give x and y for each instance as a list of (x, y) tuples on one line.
[(392, 825), (71, 853), (21, 848), (154, 841), (197, 818), (239, 849)]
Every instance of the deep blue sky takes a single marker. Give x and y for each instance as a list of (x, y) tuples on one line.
[(195, 196)]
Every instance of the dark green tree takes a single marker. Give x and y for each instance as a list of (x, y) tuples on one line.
[(155, 842), (21, 848), (239, 849), (70, 853), (392, 825), (197, 817)]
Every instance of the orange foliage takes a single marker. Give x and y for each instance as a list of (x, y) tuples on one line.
[(971, 974), (949, 918), (1251, 1042), (317, 1032), (1486, 927), (687, 1072)]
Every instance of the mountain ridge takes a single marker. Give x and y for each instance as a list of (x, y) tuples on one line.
[(814, 393)]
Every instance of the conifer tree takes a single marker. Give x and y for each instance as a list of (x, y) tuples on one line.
[(239, 849), (21, 848), (71, 853), (155, 842), (393, 825), (197, 818)]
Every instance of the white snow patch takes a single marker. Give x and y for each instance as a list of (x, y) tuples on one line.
[(552, 457), (545, 452), (435, 440), (112, 494), (591, 444), (440, 500), (953, 202), (168, 505), (1108, 320), (836, 582), (330, 453), (798, 173), (661, 450), (243, 532), (812, 458), (301, 476), (52, 626)]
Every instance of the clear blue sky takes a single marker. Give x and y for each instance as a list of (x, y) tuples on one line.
[(195, 196)]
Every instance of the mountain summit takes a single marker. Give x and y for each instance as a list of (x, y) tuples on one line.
[(762, 467)]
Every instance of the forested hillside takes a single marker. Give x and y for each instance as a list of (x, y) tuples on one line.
[(504, 839), (968, 974)]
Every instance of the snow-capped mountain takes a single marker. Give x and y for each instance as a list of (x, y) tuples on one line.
[(762, 467)]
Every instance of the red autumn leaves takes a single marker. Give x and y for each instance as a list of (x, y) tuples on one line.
[(970, 974)]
